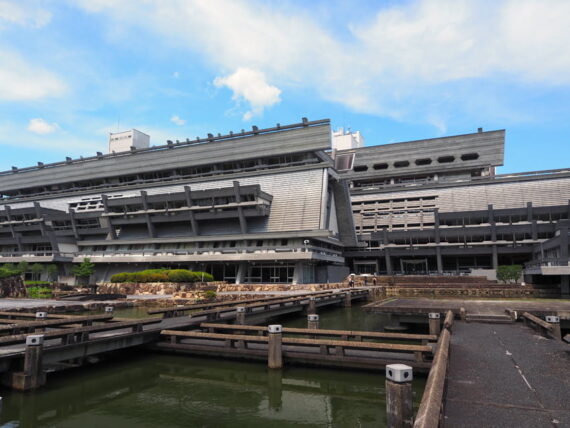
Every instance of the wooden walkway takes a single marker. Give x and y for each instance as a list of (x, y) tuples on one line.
[(506, 376)]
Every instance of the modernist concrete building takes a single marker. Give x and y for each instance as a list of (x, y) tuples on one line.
[(257, 206), (437, 206), (279, 205)]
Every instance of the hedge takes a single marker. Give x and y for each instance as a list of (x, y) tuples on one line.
[(28, 283), (162, 275), (40, 293)]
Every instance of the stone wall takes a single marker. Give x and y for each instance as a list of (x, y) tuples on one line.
[(12, 287), (154, 288)]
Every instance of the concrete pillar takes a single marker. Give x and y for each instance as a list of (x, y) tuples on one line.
[(109, 309), (389, 269), (313, 321), (565, 286), (275, 389), (240, 315), (33, 376), (462, 314), (347, 300), (399, 399), (312, 306), (439, 260), (241, 272), (554, 321), (274, 347), (434, 323)]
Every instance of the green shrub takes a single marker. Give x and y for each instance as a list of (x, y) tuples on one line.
[(210, 294), (162, 275), (40, 293), (509, 273), (203, 277), (7, 273), (181, 275), (28, 283)]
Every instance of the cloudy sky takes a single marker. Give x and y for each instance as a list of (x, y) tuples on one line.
[(73, 71)]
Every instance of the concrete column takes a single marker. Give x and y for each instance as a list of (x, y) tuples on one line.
[(274, 347), (434, 323), (389, 269), (241, 216), (399, 399), (193, 222), (33, 376), (275, 389), (565, 286), (439, 260), (554, 321), (240, 315), (312, 306), (313, 321), (347, 300), (241, 272), (495, 257)]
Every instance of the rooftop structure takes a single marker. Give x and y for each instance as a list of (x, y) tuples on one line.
[(123, 141)]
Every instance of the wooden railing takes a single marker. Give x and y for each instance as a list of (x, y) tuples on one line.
[(431, 406)]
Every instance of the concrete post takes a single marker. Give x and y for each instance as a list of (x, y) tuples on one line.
[(462, 314), (240, 315), (554, 321), (274, 347), (109, 309), (275, 389), (313, 321), (347, 300), (434, 323), (312, 307), (41, 316), (33, 376), (399, 399)]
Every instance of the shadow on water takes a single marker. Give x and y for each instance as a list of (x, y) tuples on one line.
[(139, 389)]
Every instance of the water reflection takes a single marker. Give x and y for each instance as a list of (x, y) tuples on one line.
[(155, 390)]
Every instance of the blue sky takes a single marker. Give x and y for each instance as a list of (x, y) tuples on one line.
[(72, 71)]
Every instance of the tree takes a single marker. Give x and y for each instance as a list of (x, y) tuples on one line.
[(509, 273), (23, 267), (52, 271), (36, 269), (84, 270)]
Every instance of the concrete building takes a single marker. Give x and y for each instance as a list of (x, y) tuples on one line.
[(256, 206), (281, 205), (344, 140), (437, 206)]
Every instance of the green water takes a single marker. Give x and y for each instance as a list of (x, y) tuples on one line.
[(139, 389)]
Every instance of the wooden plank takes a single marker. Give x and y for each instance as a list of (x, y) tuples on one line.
[(55, 322), (10, 340), (537, 321), (298, 341), (322, 332), (428, 415)]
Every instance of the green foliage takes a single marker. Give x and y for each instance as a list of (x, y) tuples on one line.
[(52, 271), (36, 269), (509, 273), (85, 269), (162, 275), (210, 295), (7, 273), (40, 293), (28, 283), (23, 267)]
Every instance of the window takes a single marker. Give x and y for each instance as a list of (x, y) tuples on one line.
[(344, 162), (446, 159), (378, 166), (469, 156), (360, 168), (401, 164), (425, 161)]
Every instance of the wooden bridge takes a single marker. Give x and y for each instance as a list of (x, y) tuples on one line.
[(66, 340)]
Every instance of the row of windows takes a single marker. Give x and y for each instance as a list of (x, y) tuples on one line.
[(418, 162)]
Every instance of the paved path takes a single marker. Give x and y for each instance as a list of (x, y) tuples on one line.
[(486, 306), (506, 376)]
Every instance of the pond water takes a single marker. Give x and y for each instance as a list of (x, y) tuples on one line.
[(141, 389)]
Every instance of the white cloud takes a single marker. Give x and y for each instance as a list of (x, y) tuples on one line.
[(177, 120), (42, 127), (20, 80), (23, 14), (402, 61), (251, 86)]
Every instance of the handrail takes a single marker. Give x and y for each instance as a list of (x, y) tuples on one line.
[(429, 413), (537, 321)]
